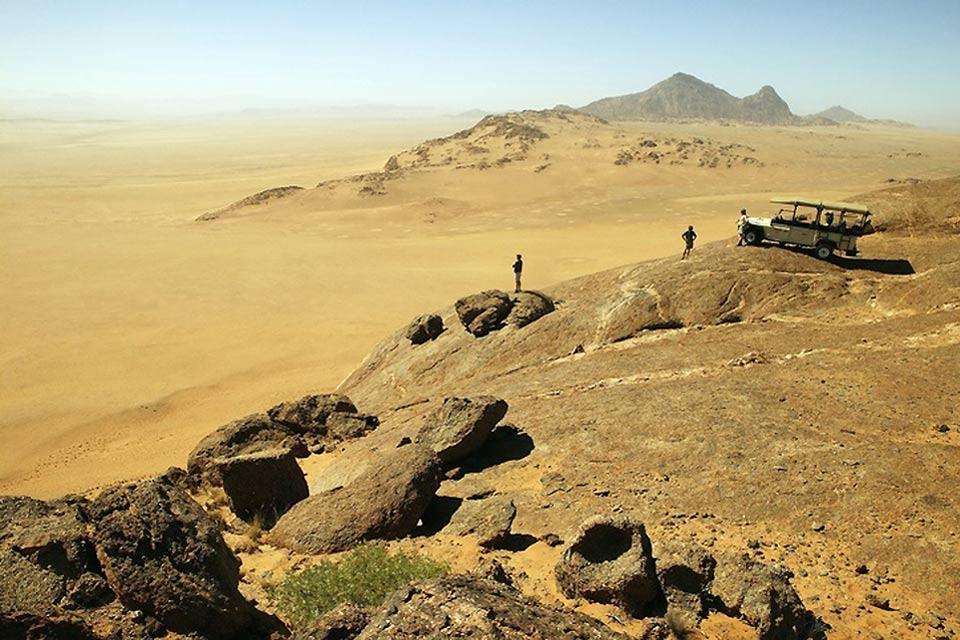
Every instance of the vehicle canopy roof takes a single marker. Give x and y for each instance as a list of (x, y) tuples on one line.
[(819, 204)]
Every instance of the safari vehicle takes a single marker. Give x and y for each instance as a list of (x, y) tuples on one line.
[(825, 227)]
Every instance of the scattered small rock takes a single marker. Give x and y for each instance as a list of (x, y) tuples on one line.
[(552, 539), (764, 597), (490, 520), (529, 306), (877, 602), (424, 328), (610, 561), (685, 571), (460, 426), (483, 312)]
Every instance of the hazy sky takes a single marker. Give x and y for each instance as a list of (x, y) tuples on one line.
[(882, 59)]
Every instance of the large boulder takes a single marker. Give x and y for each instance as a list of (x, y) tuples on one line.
[(385, 502), (424, 328), (163, 554), (483, 312), (460, 426), (323, 418), (247, 435), (685, 570), (475, 609), (610, 561), (46, 559), (489, 520), (529, 306), (763, 596), (262, 485)]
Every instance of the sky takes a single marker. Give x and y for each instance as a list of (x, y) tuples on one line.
[(127, 58)]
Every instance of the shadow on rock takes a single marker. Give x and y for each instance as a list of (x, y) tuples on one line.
[(516, 542), (889, 267), (507, 442), (438, 515), (893, 267)]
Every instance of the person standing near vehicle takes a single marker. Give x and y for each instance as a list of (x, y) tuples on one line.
[(517, 271), (688, 237), (742, 227)]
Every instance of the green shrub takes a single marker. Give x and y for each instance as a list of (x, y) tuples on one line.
[(365, 576)]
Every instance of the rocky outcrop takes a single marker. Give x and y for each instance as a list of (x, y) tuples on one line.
[(256, 199), (424, 328), (529, 306), (684, 96), (310, 423), (345, 622), (489, 520), (46, 559), (763, 596), (471, 607), (459, 426), (383, 503), (685, 571), (323, 418), (262, 485), (610, 561), (483, 312), (247, 435), (163, 555)]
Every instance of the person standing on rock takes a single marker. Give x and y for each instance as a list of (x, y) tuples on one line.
[(517, 272), (688, 236)]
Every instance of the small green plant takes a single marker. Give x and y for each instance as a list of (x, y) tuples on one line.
[(365, 576), (253, 529)]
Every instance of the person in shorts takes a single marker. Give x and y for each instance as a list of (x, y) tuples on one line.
[(688, 237)]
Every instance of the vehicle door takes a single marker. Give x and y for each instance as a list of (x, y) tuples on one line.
[(778, 230)]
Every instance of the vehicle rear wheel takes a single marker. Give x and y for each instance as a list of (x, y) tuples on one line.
[(753, 236), (824, 251)]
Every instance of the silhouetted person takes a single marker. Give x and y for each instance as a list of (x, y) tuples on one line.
[(688, 236), (829, 219), (517, 271), (742, 227)]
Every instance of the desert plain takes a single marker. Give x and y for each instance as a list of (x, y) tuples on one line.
[(129, 329), (747, 398)]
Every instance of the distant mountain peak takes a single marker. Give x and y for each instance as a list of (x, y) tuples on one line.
[(838, 113), (685, 96), (843, 115)]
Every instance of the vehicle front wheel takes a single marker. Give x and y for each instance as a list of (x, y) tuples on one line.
[(824, 251), (753, 236)]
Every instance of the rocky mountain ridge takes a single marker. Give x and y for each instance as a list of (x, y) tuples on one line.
[(685, 96)]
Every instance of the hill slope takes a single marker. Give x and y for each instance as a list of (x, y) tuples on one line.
[(504, 161), (685, 96), (748, 394)]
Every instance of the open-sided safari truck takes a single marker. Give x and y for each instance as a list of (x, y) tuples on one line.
[(825, 227)]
